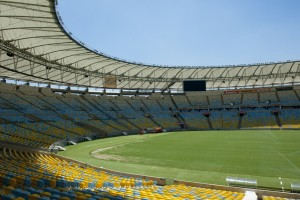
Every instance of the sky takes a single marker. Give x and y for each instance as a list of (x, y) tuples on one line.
[(187, 32)]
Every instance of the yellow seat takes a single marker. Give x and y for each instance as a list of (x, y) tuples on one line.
[(45, 194), (8, 190), (33, 197), (81, 197), (64, 198)]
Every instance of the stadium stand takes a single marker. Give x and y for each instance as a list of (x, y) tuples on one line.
[(46, 172), (290, 118), (195, 120), (259, 119), (230, 120), (232, 99), (181, 101), (36, 47), (152, 103), (197, 100), (250, 99), (166, 103), (288, 97), (268, 97), (29, 174), (36, 175), (215, 101), (51, 117)]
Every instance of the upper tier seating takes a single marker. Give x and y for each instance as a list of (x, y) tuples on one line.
[(288, 97), (198, 100), (181, 101), (232, 99), (250, 99), (215, 101), (268, 97)]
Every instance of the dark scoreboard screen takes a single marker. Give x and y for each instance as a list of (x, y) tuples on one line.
[(194, 85)]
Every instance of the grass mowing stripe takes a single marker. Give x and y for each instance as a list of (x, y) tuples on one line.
[(202, 156)]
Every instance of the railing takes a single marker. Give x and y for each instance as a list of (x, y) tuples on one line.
[(295, 187), (241, 181)]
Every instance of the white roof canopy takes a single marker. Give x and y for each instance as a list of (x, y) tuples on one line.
[(36, 47)]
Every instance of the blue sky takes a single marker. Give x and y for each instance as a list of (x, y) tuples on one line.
[(187, 32)]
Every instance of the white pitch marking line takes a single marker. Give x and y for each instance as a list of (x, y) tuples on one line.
[(281, 183), (288, 160)]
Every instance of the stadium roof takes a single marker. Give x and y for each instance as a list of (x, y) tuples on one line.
[(35, 46)]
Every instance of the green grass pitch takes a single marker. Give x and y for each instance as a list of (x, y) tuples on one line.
[(200, 156)]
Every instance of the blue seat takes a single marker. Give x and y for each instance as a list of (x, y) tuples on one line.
[(105, 184), (27, 182), (43, 198), (40, 183), (55, 196), (7, 197), (21, 193)]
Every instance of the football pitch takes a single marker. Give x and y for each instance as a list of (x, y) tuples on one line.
[(270, 156)]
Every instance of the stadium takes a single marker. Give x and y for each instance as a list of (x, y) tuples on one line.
[(78, 124)]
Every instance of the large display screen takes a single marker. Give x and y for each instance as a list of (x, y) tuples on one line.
[(194, 85)]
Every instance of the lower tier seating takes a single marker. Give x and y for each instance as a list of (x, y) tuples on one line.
[(42, 176)]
